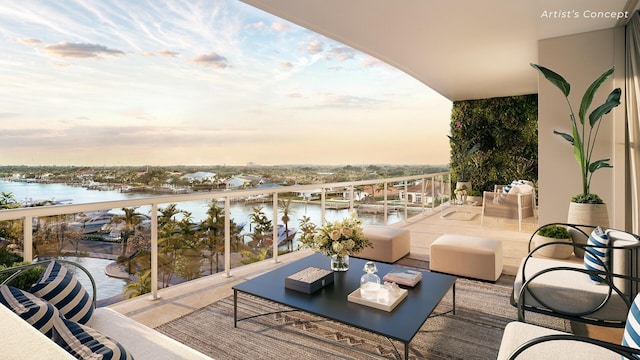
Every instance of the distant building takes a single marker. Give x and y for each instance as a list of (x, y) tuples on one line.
[(200, 176)]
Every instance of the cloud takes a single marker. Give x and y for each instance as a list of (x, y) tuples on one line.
[(258, 25), (277, 26), (331, 100), (342, 53), (212, 59), (81, 50), (315, 47), (8, 115), (286, 65), (29, 41), (167, 53), (370, 62)]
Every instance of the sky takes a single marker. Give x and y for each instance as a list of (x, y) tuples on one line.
[(120, 82)]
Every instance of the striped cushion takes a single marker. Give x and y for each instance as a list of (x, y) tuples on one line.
[(631, 337), (84, 342), (61, 288), (600, 255), (32, 309)]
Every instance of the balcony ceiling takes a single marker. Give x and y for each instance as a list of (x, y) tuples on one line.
[(463, 49)]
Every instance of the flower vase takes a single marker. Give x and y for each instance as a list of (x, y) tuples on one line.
[(339, 263)]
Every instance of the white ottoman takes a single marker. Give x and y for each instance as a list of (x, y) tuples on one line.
[(389, 243), (467, 256)]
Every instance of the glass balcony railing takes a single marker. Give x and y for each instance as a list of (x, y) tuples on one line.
[(180, 237)]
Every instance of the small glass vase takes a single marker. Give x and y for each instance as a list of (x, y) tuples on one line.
[(339, 263)]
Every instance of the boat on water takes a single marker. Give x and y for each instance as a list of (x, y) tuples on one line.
[(92, 223), (284, 236), (113, 230)]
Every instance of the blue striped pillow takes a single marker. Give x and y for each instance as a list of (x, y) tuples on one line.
[(631, 336), (600, 256), (61, 288), (37, 312), (84, 342)]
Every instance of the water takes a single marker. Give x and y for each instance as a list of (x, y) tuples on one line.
[(240, 212)]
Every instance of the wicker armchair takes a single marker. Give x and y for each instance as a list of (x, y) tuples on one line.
[(503, 205)]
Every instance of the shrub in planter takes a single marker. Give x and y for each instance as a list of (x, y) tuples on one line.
[(553, 233)]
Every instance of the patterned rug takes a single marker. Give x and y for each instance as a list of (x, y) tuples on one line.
[(482, 312)]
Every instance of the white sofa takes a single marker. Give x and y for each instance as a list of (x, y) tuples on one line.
[(19, 340)]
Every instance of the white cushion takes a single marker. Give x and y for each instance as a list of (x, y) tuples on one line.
[(568, 291), (517, 333), (141, 341)]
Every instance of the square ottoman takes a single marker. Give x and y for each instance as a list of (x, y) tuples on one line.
[(467, 256), (389, 243)]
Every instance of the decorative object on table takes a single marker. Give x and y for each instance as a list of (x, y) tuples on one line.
[(403, 276), (585, 208), (337, 240), (461, 194), (369, 282), (309, 280), (389, 296), (555, 234)]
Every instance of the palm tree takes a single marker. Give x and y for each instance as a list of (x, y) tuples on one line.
[(249, 257), (132, 220), (139, 287), (213, 226), (262, 223), (307, 228), (8, 201), (285, 210)]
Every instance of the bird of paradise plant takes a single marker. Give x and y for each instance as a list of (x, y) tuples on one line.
[(584, 131)]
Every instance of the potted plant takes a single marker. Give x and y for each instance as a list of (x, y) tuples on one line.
[(553, 233), (585, 208), (461, 155)]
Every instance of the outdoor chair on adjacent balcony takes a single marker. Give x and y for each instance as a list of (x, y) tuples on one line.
[(597, 290), (514, 201)]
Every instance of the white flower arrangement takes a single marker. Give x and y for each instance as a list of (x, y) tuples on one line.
[(338, 237)]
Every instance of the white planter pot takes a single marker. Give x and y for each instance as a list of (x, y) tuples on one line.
[(586, 214), (460, 184), (553, 251)]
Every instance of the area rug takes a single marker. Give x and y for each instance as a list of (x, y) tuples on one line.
[(482, 312)]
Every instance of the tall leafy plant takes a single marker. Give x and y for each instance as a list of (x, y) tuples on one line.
[(584, 131)]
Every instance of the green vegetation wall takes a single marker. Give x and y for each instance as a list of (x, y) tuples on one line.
[(506, 132)]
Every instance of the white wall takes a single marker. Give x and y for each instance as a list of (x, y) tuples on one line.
[(580, 59)]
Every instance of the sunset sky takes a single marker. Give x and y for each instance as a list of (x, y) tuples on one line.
[(200, 83)]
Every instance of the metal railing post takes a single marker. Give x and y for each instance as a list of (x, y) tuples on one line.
[(275, 228), (406, 200), (386, 206), (351, 195), (227, 236), (154, 251), (27, 244), (323, 205)]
